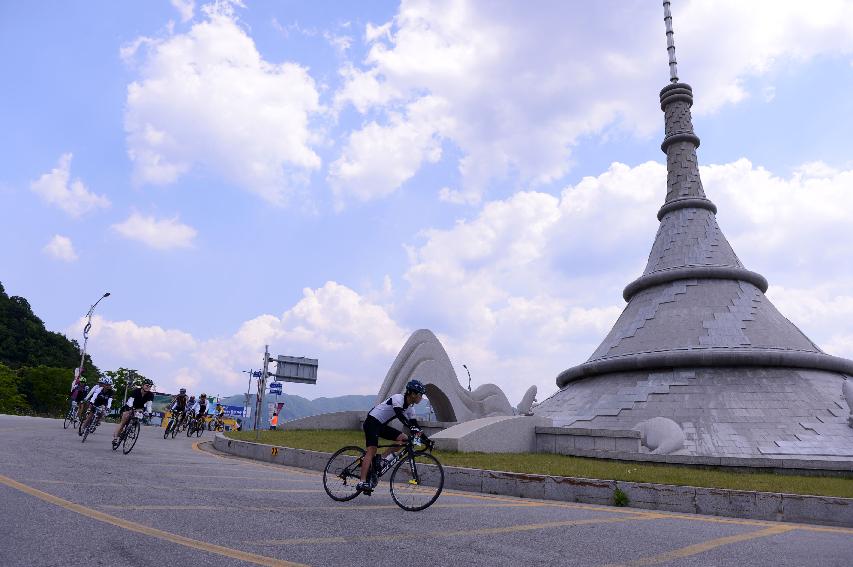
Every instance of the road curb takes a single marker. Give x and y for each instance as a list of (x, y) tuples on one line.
[(779, 507)]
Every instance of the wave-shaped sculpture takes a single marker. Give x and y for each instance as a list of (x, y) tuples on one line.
[(423, 357)]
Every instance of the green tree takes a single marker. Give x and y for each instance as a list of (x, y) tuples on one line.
[(11, 400), (24, 341), (124, 376), (46, 389)]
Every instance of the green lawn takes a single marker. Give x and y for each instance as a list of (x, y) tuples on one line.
[(561, 465)]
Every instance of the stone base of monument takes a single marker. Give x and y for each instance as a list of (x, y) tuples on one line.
[(498, 434), (353, 420)]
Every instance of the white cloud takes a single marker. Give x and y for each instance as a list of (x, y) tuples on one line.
[(73, 198), (61, 248), (207, 99), (354, 339), (530, 285), (521, 87), (185, 8), (162, 234), (378, 159)]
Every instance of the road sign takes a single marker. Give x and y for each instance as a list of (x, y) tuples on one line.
[(295, 369), (275, 388)]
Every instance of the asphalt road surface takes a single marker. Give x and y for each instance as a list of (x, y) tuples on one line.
[(177, 502)]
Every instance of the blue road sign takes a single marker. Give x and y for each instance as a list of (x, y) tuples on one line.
[(275, 388)]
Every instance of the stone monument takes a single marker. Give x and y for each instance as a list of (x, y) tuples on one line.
[(700, 345)]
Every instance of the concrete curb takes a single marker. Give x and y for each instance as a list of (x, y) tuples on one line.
[(773, 506)]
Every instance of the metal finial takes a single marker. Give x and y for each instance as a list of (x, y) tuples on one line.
[(670, 43)]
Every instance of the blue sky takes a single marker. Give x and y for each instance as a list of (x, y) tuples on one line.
[(329, 177)]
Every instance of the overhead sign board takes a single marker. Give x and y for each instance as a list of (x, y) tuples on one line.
[(295, 369), (275, 388)]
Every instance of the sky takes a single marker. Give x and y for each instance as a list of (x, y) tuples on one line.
[(328, 177)]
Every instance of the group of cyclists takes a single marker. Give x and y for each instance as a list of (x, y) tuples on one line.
[(93, 404)]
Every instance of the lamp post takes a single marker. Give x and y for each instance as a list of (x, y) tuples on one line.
[(251, 373), (469, 376), (86, 339)]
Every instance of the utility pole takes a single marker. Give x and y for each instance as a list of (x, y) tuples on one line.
[(262, 387)]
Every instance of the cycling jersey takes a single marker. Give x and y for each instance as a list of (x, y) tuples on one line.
[(139, 400), (200, 409), (101, 396), (395, 406), (180, 402)]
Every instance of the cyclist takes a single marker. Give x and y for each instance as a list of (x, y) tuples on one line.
[(141, 397), (100, 400), (400, 406), (78, 394), (200, 409), (179, 406), (219, 416)]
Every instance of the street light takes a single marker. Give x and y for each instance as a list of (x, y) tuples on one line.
[(86, 338), (469, 376)]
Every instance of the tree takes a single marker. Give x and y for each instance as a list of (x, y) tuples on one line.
[(46, 389), (124, 376), (24, 341), (11, 400)]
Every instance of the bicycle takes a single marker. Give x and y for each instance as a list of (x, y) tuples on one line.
[(174, 425), (71, 417), (216, 424), (84, 416), (129, 433), (92, 422), (196, 426), (417, 477)]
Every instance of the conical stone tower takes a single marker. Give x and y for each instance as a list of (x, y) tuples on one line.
[(699, 343)]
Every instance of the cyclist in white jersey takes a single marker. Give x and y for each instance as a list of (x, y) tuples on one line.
[(399, 406)]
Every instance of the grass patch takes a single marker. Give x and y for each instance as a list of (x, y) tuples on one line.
[(563, 465)]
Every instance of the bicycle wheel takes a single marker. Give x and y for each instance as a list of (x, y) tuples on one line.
[(175, 429), (82, 420), (70, 418), (86, 431), (342, 473), (417, 481), (199, 430), (131, 437), (169, 428)]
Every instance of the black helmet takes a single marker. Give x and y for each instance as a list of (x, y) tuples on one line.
[(183, 391), (415, 386), (147, 382)]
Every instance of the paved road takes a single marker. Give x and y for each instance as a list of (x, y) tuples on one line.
[(173, 502)]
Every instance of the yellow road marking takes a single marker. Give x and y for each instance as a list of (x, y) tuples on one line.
[(703, 547), (306, 508), (456, 533), (181, 488), (149, 531)]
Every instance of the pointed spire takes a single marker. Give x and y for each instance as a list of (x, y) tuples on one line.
[(696, 304), (670, 43)]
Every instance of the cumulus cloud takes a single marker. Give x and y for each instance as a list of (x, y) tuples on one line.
[(61, 248), (529, 285), (185, 8), (56, 188), (354, 339), (207, 99), (161, 234), (519, 87)]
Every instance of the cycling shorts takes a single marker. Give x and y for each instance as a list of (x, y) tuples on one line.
[(374, 429)]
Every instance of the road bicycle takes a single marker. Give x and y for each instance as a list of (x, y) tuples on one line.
[(174, 426), (417, 477), (129, 433), (91, 423), (71, 417), (216, 424), (196, 426)]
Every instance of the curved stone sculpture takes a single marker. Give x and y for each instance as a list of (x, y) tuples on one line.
[(661, 435), (525, 407), (423, 357)]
